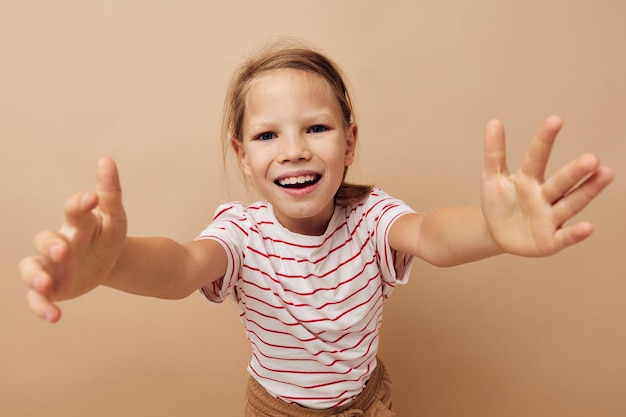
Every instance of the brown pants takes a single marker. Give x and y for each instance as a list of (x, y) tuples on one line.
[(374, 401)]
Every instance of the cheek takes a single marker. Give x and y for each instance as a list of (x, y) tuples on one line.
[(247, 161), (337, 164), (254, 168), (341, 157)]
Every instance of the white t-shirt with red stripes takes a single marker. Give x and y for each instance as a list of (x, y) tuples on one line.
[(311, 305)]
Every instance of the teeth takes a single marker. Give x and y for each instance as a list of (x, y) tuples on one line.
[(297, 180)]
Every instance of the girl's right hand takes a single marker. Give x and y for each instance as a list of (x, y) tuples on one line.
[(80, 256)]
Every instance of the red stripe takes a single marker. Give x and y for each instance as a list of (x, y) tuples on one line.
[(326, 274), (317, 353), (304, 294), (375, 314), (322, 319), (290, 303)]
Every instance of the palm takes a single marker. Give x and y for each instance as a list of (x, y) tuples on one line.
[(526, 213), (94, 247), (94, 237), (80, 256)]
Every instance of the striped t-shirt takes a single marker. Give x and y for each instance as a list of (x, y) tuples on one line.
[(311, 305)]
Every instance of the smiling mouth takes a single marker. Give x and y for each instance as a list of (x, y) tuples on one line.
[(299, 181)]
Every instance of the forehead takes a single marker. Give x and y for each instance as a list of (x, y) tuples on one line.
[(278, 83)]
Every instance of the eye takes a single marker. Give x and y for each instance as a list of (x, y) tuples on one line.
[(266, 136), (318, 129)]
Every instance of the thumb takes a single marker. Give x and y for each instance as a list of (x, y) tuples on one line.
[(108, 188)]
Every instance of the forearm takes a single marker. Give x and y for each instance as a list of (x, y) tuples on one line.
[(455, 235), (445, 237), (158, 267)]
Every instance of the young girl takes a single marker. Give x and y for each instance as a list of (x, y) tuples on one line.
[(312, 263)]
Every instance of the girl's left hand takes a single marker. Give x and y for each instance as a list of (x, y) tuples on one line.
[(526, 213)]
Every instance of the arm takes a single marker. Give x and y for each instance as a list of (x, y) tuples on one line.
[(163, 268), (92, 249), (522, 213), (447, 236)]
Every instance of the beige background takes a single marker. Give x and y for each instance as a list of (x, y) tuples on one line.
[(143, 81)]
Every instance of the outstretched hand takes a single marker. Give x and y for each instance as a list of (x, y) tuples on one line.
[(81, 254), (525, 212)]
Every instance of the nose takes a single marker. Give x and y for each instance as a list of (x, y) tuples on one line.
[(294, 148)]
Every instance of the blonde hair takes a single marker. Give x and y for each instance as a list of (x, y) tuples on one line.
[(295, 56)]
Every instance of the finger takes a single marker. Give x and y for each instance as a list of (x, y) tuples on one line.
[(571, 235), (538, 154), (78, 209), (35, 274), (108, 188), (42, 307), (78, 224), (494, 150), (566, 178), (51, 245), (581, 196)]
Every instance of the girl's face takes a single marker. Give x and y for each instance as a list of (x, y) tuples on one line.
[(295, 147)]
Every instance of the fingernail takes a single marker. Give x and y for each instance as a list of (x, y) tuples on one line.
[(48, 316)]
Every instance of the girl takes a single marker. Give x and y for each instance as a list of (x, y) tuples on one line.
[(312, 263)]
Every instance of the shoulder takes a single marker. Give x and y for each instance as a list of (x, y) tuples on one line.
[(379, 202), (237, 211), (236, 219), (375, 214)]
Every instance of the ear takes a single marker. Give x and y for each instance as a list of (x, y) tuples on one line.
[(352, 135), (240, 152)]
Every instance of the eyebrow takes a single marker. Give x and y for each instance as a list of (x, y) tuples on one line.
[(309, 118)]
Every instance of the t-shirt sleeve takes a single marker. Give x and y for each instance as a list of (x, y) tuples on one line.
[(230, 229), (395, 267)]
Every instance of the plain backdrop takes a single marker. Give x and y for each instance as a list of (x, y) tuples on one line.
[(143, 81)]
